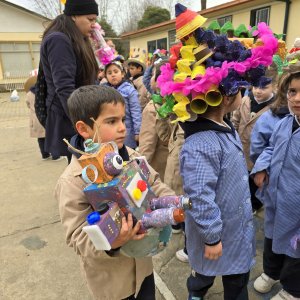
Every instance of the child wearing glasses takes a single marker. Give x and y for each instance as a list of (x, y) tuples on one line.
[(277, 173)]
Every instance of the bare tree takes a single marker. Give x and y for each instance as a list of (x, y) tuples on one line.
[(203, 4), (48, 8)]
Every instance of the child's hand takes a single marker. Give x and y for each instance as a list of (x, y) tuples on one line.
[(128, 232), (260, 178), (213, 252)]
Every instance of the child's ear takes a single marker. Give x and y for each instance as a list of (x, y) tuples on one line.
[(83, 129)]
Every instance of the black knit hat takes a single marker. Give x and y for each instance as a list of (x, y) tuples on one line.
[(81, 7)]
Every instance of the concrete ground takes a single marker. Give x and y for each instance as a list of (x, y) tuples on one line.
[(35, 262)]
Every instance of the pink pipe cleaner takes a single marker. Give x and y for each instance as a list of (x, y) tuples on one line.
[(261, 55)]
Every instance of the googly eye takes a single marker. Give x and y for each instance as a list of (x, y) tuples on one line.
[(117, 162), (113, 163)]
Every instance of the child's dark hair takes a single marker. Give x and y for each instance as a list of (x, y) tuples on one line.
[(132, 63), (86, 102)]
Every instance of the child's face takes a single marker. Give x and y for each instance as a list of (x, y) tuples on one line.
[(293, 96), (133, 70), (114, 75), (111, 124), (262, 94)]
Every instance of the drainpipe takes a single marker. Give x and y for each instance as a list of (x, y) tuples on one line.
[(286, 18)]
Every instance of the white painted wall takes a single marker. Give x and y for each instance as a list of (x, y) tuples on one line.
[(16, 20)]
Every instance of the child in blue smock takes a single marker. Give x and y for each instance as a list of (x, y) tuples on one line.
[(264, 126), (115, 75), (277, 172), (219, 227)]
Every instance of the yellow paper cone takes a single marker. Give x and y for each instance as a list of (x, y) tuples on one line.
[(198, 70), (179, 77), (183, 66), (198, 104), (187, 52), (213, 97), (180, 108)]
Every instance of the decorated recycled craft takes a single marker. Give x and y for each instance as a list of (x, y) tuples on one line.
[(117, 188), (103, 52), (206, 66)]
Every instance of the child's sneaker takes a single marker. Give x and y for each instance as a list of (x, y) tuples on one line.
[(46, 157), (284, 295), (182, 256), (264, 283), (58, 158), (176, 229)]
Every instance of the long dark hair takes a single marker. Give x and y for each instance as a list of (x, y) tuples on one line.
[(81, 45)]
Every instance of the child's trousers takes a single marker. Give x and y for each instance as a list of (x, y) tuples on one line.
[(235, 286), (147, 291), (282, 267)]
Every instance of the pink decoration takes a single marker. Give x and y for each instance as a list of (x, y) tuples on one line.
[(261, 55), (104, 53)]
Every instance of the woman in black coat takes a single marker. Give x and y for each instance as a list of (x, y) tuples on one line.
[(68, 62)]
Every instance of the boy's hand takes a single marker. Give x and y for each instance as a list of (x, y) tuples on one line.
[(213, 252), (260, 178), (128, 232)]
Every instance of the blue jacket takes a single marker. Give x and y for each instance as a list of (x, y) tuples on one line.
[(281, 196), (262, 132), (61, 68), (215, 177), (133, 118), (147, 78)]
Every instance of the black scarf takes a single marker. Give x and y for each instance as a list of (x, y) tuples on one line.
[(255, 106)]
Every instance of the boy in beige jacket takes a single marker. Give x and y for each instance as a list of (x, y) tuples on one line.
[(109, 274)]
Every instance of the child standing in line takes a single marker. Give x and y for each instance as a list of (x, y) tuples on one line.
[(277, 172), (115, 73), (219, 227), (136, 69), (36, 129), (109, 274), (264, 126), (152, 146), (252, 107)]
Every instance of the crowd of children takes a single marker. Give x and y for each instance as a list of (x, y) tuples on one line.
[(228, 168)]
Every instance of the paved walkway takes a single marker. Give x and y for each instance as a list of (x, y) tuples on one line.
[(35, 263)]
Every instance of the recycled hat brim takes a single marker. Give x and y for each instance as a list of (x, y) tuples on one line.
[(134, 60)]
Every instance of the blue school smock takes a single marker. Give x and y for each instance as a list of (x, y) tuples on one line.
[(281, 196), (133, 111), (215, 177), (261, 133)]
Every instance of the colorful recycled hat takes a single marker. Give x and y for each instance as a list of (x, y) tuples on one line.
[(214, 26), (187, 21), (241, 31), (227, 27), (199, 75)]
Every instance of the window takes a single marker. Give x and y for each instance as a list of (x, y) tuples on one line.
[(157, 44), (172, 37), (223, 20), (151, 45), (162, 44), (260, 15)]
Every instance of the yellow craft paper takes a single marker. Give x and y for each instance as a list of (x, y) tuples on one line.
[(198, 70), (179, 77), (187, 52), (180, 108), (183, 66)]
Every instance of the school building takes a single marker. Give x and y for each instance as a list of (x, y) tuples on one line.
[(281, 15), (20, 38)]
